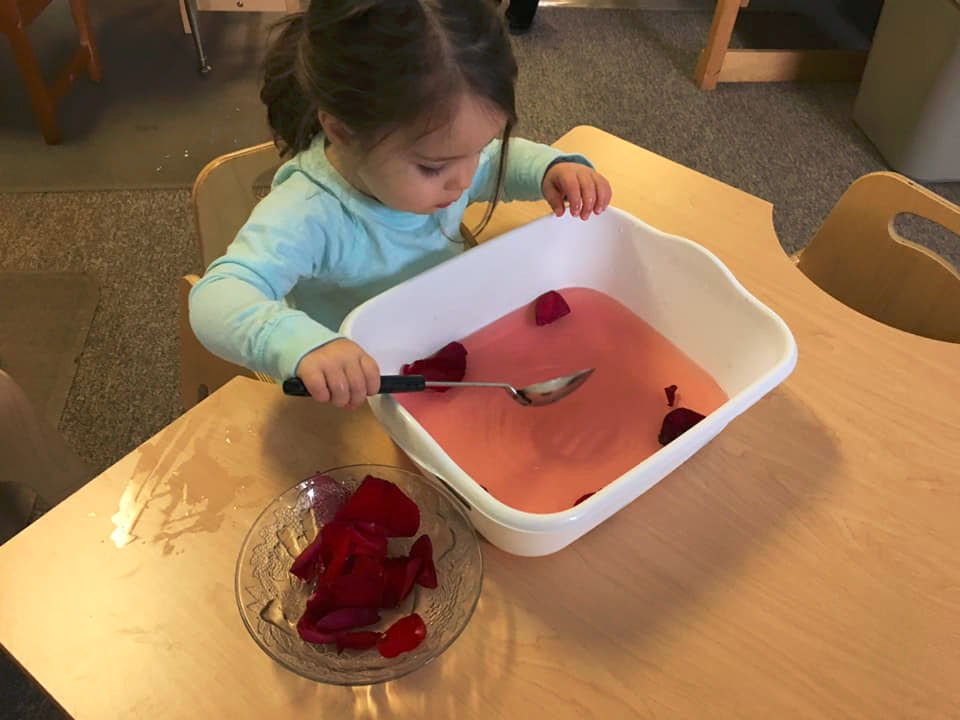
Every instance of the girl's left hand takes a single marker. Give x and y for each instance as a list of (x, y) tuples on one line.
[(584, 189)]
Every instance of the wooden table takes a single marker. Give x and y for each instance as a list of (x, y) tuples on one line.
[(804, 564)]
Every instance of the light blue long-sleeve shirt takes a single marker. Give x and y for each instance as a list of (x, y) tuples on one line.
[(315, 248)]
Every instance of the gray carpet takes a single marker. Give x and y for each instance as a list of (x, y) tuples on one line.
[(627, 72), (154, 121)]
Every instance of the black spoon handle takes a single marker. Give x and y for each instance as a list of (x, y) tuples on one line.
[(388, 384)]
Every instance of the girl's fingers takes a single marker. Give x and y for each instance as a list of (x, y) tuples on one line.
[(317, 385), (588, 191), (338, 385), (604, 194), (554, 198), (570, 185), (371, 374), (357, 382)]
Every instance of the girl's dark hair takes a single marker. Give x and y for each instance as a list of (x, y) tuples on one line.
[(379, 65)]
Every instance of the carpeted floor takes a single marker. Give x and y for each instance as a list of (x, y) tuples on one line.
[(154, 121), (625, 71)]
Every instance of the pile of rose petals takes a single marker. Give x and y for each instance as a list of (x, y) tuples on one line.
[(353, 578)]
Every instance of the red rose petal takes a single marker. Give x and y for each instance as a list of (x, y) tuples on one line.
[(321, 602), (384, 504), (342, 619), (582, 498), (305, 565), (310, 635), (403, 636), (401, 573), (671, 391), (359, 590), (357, 640), (339, 554), (358, 578), (449, 363), (423, 549), (359, 541), (367, 565), (550, 307), (677, 422)]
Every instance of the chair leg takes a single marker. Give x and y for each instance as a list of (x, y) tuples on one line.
[(40, 96), (190, 8), (82, 20), (718, 42), (184, 19)]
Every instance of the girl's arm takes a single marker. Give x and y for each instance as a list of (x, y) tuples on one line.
[(527, 164), (237, 310)]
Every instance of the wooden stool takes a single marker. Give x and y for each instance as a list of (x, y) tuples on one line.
[(15, 18)]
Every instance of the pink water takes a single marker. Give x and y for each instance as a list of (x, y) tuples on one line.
[(543, 459)]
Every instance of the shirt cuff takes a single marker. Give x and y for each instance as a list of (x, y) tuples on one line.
[(293, 337)]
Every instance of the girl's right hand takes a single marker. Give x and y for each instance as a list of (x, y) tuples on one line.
[(341, 373)]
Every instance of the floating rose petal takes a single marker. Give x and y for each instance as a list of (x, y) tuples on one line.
[(449, 363), (671, 392), (550, 307), (677, 422), (582, 498)]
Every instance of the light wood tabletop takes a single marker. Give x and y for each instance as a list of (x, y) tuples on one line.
[(803, 564)]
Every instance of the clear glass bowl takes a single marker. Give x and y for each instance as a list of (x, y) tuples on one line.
[(271, 600)]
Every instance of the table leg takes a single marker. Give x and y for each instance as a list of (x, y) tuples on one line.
[(718, 41), (191, 7)]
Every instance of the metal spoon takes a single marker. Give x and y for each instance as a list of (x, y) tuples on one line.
[(541, 393)]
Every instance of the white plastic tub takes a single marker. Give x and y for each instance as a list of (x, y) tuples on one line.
[(678, 287)]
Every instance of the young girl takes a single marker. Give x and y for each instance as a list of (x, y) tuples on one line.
[(397, 114)]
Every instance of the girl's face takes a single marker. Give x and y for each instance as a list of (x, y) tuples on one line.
[(422, 173)]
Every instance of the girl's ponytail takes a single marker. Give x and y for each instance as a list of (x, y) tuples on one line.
[(291, 110)]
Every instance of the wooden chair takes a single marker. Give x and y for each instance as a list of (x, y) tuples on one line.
[(718, 63), (859, 258), (15, 17), (223, 197)]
